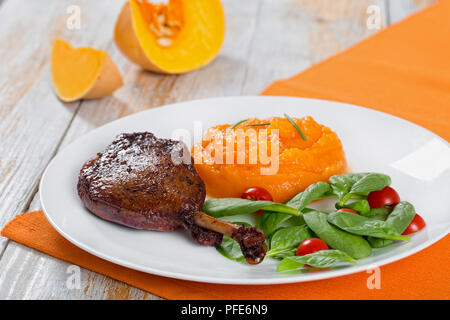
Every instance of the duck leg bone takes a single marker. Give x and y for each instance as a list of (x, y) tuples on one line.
[(250, 239)]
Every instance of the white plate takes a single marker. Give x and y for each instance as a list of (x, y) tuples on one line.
[(417, 160)]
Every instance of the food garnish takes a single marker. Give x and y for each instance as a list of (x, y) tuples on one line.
[(258, 124), (236, 124), (295, 126)]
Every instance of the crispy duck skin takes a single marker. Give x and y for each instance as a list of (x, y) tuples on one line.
[(137, 183)]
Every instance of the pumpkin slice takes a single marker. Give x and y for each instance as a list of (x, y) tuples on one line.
[(176, 37), (82, 73)]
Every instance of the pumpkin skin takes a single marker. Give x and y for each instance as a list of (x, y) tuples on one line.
[(82, 73), (196, 44)]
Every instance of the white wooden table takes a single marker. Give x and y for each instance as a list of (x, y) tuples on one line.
[(266, 40)]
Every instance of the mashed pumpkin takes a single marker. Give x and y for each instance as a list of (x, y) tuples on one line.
[(268, 153)]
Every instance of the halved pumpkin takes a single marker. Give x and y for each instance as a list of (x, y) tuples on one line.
[(176, 37), (82, 73)]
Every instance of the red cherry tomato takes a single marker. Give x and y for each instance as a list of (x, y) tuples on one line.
[(384, 197), (348, 210), (257, 193), (310, 246), (416, 224)]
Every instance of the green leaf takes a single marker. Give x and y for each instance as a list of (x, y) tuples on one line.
[(401, 216), (399, 219), (281, 254), (342, 183), (364, 226), (380, 213), (288, 238), (315, 191), (223, 207), (370, 182), (319, 259), (361, 206), (270, 221), (231, 249), (354, 185), (352, 244), (379, 243)]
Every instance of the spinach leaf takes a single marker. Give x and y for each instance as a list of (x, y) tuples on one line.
[(270, 221), (353, 245), (380, 213), (361, 206), (319, 259), (399, 219), (364, 226), (283, 253), (370, 182), (223, 207), (355, 185), (231, 249), (378, 242), (401, 216), (342, 183), (315, 191), (286, 239)]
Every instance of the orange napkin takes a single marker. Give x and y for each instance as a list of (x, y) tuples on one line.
[(403, 70), (424, 275)]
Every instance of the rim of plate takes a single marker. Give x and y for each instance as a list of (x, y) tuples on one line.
[(258, 281)]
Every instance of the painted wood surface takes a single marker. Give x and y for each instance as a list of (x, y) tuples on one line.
[(266, 40)]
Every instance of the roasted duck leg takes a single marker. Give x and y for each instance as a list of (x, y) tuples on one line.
[(136, 182)]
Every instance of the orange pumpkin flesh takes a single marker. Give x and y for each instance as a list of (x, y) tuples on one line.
[(301, 163), (172, 38), (82, 73)]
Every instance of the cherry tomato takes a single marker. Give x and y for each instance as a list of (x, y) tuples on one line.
[(310, 246), (348, 210), (416, 224), (257, 193), (384, 197)]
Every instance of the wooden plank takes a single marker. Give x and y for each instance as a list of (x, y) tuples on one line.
[(143, 90), (28, 106), (400, 9), (293, 35)]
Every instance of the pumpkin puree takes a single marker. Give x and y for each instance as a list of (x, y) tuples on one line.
[(300, 163)]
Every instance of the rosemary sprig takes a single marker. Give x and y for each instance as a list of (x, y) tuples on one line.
[(257, 124), (295, 126), (236, 124)]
